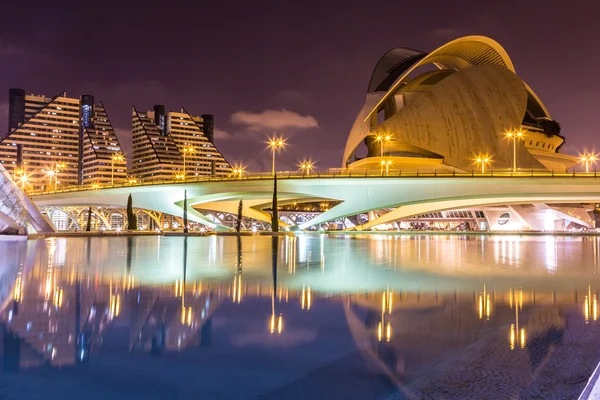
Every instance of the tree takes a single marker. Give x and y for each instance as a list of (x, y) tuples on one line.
[(550, 127), (131, 217), (89, 221), (274, 214), (185, 218), (238, 224)]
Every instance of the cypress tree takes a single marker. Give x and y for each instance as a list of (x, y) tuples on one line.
[(89, 221), (238, 225), (131, 217), (185, 218)]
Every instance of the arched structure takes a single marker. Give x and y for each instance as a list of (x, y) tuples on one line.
[(438, 111), (17, 211), (384, 199)]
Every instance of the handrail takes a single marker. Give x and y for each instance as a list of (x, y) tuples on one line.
[(434, 174)]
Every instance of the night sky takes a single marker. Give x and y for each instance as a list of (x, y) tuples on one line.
[(296, 68)]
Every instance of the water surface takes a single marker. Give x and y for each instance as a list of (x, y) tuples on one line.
[(345, 316)]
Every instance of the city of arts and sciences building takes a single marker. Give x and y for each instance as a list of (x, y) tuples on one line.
[(448, 139)]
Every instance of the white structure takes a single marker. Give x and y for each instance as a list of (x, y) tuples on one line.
[(445, 109), (18, 214), (550, 200)]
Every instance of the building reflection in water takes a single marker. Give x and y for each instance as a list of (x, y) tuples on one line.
[(55, 289)]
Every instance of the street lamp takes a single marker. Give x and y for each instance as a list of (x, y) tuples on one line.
[(483, 160), (514, 136), (588, 158), (274, 144), (187, 150), (132, 180), (21, 177), (115, 157), (386, 164), (23, 180), (383, 138), (238, 170), (306, 166)]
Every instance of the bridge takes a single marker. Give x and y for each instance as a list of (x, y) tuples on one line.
[(17, 212), (401, 194)]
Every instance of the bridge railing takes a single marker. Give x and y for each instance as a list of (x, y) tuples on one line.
[(334, 174)]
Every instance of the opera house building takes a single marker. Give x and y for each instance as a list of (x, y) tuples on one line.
[(443, 110)]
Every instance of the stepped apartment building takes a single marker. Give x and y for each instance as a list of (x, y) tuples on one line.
[(171, 145), (60, 141)]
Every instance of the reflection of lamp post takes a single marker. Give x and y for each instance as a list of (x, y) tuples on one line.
[(514, 136), (590, 308), (116, 157), (306, 299), (386, 306), (516, 335), (274, 144), (484, 304)]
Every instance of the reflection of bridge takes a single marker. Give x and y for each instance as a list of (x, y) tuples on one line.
[(396, 196)]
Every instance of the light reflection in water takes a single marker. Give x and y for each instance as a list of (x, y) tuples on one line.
[(375, 274)]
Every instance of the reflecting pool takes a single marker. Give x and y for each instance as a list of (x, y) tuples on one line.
[(310, 316)]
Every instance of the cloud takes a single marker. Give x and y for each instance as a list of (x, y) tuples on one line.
[(9, 49), (273, 120), (222, 135)]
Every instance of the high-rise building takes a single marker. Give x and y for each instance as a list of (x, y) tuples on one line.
[(173, 145), (60, 141)]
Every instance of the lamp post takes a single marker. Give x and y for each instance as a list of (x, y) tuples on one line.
[(187, 150), (116, 157), (238, 171), (51, 174), (274, 144), (383, 138), (23, 181), (588, 158), (483, 161), (386, 164), (514, 136), (306, 166), (58, 167)]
